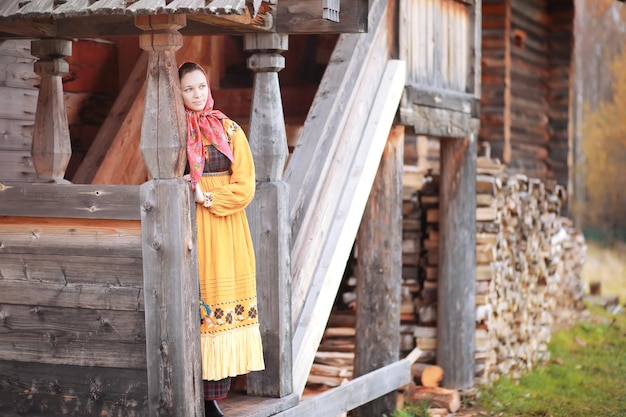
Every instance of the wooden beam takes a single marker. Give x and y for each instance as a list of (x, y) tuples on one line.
[(357, 391), (436, 122), (79, 201), (268, 215), (299, 17), (172, 329), (379, 273), (456, 306), (351, 174)]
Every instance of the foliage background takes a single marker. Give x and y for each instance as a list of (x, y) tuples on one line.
[(598, 188)]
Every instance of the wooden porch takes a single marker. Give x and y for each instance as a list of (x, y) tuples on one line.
[(305, 217)]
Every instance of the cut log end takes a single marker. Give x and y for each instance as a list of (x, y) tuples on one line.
[(432, 376)]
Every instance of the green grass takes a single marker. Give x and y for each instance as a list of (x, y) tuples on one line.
[(585, 378)]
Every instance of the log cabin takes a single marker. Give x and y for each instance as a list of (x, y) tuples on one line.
[(91, 157)]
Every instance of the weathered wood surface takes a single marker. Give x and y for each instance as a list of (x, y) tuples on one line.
[(434, 41), (172, 336), (163, 128), (17, 166), (78, 201), (298, 17), (456, 306), (268, 215), (356, 392), (43, 390), (51, 147), (437, 122), (74, 8), (78, 237), (379, 273), (72, 336), (348, 208), (307, 170)]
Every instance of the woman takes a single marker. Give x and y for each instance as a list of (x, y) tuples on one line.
[(221, 171)]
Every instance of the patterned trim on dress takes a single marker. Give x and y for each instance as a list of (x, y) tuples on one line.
[(216, 174)]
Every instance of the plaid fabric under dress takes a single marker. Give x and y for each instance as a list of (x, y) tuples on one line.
[(216, 390)]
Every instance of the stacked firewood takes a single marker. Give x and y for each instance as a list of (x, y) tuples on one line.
[(528, 267), (528, 271)]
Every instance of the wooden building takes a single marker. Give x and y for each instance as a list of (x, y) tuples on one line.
[(526, 85), (92, 155)]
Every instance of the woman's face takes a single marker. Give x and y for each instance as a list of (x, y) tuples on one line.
[(195, 90)]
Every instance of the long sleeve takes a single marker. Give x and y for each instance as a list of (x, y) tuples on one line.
[(239, 192)]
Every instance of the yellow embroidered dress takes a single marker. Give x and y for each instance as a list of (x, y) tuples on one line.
[(230, 336)]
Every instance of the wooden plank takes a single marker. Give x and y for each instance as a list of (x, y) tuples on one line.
[(357, 391), (68, 200), (76, 237), (62, 391), (173, 350), (299, 17), (67, 295), (17, 166), (241, 405), (456, 307), (18, 103), (118, 273), (357, 174), (17, 135), (443, 99), (72, 336), (379, 273)]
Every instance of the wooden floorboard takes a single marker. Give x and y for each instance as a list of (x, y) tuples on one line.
[(242, 405)]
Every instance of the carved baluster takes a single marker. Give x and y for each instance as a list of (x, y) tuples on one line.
[(51, 147)]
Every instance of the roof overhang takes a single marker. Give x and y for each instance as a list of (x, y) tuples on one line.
[(105, 18)]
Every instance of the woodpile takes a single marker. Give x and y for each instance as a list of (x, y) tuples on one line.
[(529, 262), (528, 266)]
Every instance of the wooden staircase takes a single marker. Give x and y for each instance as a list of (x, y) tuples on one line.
[(331, 173)]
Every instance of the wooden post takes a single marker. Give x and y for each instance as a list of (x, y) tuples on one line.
[(51, 147), (379, 273), (170, 266), (456, 307), (268, 215)]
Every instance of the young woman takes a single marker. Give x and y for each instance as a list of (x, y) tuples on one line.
[(221, 171)]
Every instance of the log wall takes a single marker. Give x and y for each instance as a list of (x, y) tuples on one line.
[(18, 100), (527, 49), (72, 332)]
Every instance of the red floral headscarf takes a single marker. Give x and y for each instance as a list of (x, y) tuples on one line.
[(206, 124)]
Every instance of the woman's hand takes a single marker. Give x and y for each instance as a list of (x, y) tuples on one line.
[(198, 194)]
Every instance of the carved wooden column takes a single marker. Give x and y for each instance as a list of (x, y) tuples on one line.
[(268, 215), (168, 233), (51, 147)]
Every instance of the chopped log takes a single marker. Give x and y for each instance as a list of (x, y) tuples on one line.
[(432, 376), (438, 397)]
